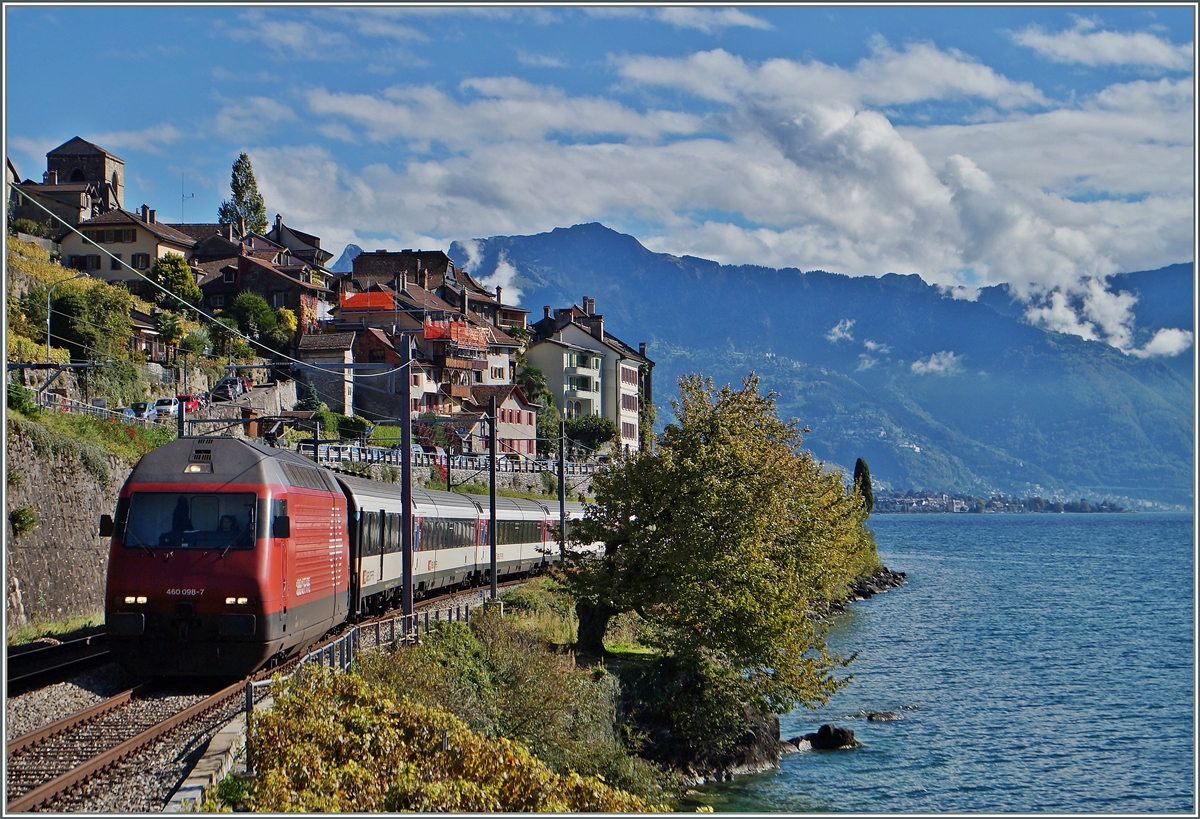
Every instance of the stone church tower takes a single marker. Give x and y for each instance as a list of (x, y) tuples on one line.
[(79, 161)]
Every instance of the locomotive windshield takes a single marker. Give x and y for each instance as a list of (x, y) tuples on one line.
[(187, 520)]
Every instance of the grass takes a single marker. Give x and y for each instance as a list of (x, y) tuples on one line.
[(68, 629), (92, 439)]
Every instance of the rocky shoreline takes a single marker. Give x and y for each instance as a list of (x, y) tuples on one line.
[(761, 747)]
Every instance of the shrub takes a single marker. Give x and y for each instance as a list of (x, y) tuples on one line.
[(20, 399), (27, 226), (23, 520), (337, 742), (502, 680)]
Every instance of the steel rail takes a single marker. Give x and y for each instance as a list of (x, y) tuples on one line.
[(97, 763), (27, 668), (70, 721)]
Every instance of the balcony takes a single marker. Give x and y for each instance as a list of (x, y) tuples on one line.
[(456, 363), (590, 395), (456, 390), (590, 372)]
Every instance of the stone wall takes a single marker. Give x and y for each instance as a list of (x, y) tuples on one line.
[(58, 569)]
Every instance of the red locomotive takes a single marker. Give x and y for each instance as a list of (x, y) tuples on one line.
[(227, 554)]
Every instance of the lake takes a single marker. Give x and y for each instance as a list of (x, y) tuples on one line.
[(1041, 662)]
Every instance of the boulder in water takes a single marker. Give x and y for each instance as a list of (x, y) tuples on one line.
[(884, 716), (830, 737)]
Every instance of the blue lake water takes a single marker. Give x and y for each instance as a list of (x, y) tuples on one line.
[(1041, 663)]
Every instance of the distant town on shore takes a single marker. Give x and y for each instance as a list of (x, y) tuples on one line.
[(929, 502)]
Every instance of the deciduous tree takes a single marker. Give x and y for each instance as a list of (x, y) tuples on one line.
[(173, 272), (723, 540)]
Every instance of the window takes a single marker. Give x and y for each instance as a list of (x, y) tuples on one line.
[(579, 382), (279, 300), (229, 277), (629, 402), (498, 373), (93, 261), (374, 356), (629, 430), (110, 236), (129, 235), (416, 380), (140, 261), (629, 376), (116, 262), (187, 520), (217, 301)]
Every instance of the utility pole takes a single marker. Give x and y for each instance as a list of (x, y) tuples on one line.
[(181, 411), (406, 536), (492, 488), (316, 440), (562, 490)]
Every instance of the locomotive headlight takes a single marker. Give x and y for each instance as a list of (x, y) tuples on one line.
[(236, 601), (229, 601), (130, 599), (243, 601)]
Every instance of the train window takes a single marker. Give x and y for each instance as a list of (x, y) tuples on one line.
[(174, 520)]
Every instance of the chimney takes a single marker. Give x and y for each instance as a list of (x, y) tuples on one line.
[(465, 303), (588, 305), (151, 220), (547, 309), (403, 281), (50, 178), (241, 226), (596, 325), (642, 349), (499, 294), (278, 223), (145, 213)]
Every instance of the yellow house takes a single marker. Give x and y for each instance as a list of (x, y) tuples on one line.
[(133, 238)]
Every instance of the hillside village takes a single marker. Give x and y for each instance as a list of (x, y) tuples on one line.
[(338, 335)]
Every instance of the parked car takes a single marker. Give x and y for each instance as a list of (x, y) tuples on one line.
[(191, 403), (223, 392), (166, 407), (247, 384), (234, 384), (142, 410)]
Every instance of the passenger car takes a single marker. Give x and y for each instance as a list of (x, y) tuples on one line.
[(142, 410), (166, 407), (191, 403)]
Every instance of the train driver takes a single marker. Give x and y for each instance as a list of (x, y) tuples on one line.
[(229, 524)]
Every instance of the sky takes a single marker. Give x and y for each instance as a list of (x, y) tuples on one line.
[(1043, 147)]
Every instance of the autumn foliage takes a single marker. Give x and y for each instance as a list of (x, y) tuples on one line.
[(335, 743)]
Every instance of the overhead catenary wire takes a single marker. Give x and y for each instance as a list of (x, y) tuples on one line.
[(205, 316)]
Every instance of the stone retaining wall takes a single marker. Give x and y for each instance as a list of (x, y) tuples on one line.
[(58, 569)]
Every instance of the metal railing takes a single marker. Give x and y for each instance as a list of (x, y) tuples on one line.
[(341, 653), (357, 453), (58, 403)]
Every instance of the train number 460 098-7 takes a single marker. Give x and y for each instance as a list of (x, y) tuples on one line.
[(185, 592)]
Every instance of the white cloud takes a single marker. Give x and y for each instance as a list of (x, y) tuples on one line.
[(1166, 342), (841, 331), (252, 117), (710, 20), (503, 276), (866, 362), (294, 39), (1084, 46), (531, 60), (959, 292), (943, 363), (875, 346), (150, 139)]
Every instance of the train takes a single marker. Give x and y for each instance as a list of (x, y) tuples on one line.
[(227, 555)]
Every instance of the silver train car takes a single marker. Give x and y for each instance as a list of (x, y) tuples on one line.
[(451, 545)]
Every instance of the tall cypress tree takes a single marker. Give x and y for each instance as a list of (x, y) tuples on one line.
[(862, 483), (245, 200)]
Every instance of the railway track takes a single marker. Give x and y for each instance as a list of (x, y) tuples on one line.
[(44, 766), (45, 664)]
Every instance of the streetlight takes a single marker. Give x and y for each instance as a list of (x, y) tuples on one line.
[(50, 290)]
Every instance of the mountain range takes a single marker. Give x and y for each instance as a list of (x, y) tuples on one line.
[(935, 393)]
